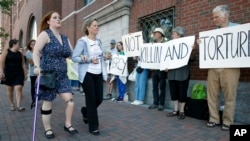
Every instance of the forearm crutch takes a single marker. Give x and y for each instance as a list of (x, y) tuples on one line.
[(35, 115)]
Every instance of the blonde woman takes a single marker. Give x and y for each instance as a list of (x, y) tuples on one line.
[(92, 71)]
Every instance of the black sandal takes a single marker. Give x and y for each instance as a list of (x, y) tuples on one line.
[(181, 115), (225, 127), (49, 136), (20, 109), (172, 114), (211, 124), (74, 131), (96, 132), (12, 108)]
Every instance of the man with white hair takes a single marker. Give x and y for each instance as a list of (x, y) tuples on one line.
[(225, 78)]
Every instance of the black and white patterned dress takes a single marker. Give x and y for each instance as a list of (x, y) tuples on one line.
[(53, 58)]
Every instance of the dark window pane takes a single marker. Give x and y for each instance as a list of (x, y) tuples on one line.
[(163, 19), (86, 2)]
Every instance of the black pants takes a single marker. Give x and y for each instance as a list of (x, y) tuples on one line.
[(93, 88), (33, 88), (178, 90), (159, 80)]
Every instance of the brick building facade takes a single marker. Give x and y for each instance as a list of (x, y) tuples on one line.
[(119, 17)]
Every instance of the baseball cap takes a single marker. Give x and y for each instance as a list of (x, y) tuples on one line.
[(112, 41)]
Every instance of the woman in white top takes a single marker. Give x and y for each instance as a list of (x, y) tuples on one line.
[(92, 71)]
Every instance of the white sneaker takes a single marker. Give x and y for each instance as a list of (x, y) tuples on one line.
[(135, 101), (138, 102)]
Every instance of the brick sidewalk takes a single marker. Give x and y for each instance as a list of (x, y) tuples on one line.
[(118, 122)]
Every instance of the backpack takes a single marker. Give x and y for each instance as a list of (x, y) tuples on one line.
[(196, 108), (198, 91)]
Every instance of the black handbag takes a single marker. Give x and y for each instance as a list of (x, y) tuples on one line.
[(48, 80), (139, 70)]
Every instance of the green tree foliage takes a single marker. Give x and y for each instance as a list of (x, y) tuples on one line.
[(3, 34), (5, 6)]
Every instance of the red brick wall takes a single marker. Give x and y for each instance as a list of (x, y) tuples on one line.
[(51, 5), (195, 16), (74, 23)]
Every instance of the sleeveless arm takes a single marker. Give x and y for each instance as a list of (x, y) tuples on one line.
[(2, 60), (42, 39)]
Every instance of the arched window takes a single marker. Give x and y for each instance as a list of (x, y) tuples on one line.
[(32, 29), (20, 38)]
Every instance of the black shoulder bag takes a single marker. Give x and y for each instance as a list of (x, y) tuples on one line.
[(48, 80)]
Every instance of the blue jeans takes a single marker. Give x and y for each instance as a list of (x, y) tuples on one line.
[(141, 84), (121, 88)]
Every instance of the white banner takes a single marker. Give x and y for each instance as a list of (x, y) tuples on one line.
[(107, 62), (226, 47), (151, 55), (132, 43), (176, 53), (119, 65)]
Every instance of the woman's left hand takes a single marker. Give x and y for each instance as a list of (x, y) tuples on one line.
[(84, 58)]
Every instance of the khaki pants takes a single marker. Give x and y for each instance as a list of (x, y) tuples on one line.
[(227, 80)]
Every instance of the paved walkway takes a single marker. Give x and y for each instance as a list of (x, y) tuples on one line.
[(118, 122)]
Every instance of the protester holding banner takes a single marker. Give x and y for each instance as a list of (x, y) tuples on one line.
[(92, 71), (111, 78), (179, 81), (132, 48), (121, 80), (159, 77), (140, 83), (225, 78)]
